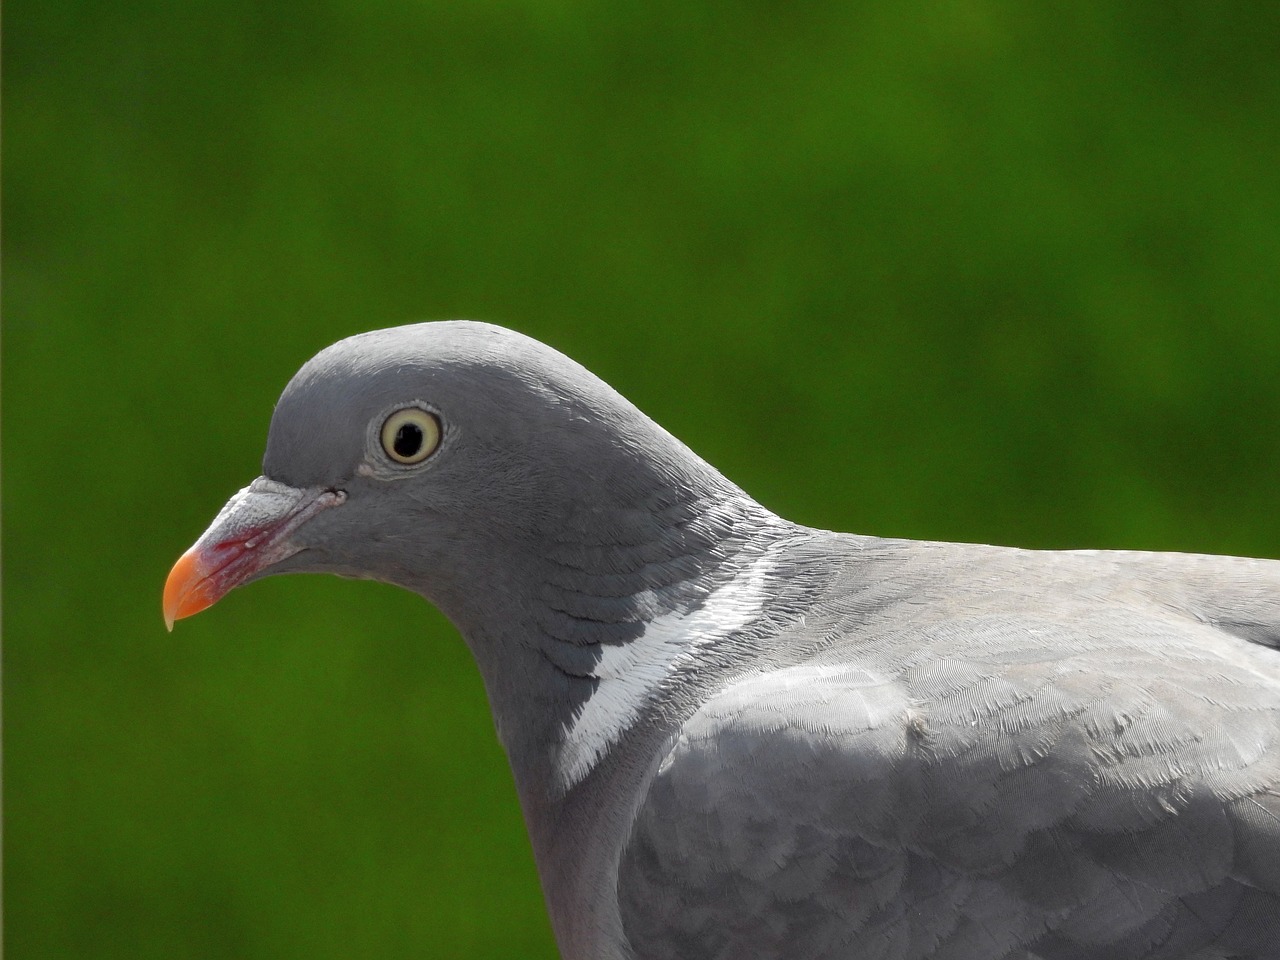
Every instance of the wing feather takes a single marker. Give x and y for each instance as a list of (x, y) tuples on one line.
[(1019, 788)]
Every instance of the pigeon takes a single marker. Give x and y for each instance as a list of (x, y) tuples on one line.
[(737, 737)]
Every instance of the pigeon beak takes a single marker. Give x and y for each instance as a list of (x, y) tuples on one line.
[(249, 534)]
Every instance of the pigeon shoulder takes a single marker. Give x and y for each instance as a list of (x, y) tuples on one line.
[(1237, 595), (951, 589)]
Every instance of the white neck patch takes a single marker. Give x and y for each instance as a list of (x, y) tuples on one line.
[(629, 672)]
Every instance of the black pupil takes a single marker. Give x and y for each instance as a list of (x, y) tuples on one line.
[(408, 440)]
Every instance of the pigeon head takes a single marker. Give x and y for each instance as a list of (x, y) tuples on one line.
[(447, 458), (487, 472)]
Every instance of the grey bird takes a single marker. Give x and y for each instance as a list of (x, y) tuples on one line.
[(736, 737)]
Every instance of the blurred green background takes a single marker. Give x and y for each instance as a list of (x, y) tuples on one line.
[(989, 271)]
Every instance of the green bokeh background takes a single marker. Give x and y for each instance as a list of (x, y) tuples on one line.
[(989, 271)]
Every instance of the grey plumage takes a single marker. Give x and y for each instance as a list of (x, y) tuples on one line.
[(1006, 753), (735, 737)]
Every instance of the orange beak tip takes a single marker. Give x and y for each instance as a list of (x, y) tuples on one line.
[(186, 591)]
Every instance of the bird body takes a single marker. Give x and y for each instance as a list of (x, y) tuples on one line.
[(1005, 753), (737, 737)]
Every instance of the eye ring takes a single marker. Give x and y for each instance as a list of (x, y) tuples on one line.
[(410, 435)]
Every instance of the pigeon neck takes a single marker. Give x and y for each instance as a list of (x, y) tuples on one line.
[(583, 623)]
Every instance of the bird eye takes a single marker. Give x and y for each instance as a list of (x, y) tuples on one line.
[(410, 435)]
